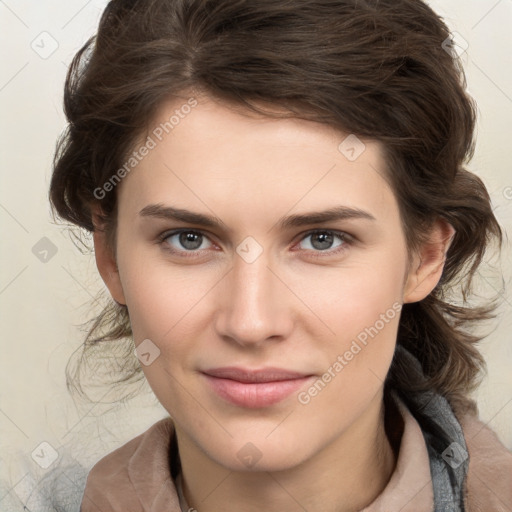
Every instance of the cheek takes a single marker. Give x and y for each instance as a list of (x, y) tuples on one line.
[(350, 298), (161, 307), (365, 318), (361, 305), (160, 295)]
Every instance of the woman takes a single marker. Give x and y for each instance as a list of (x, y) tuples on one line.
[(280, 211)]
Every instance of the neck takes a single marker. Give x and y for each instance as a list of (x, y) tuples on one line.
[(345, 476)]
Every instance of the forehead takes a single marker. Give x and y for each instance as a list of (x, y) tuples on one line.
[(208, 155)]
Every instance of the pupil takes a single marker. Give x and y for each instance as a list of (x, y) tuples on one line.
[(325, 240), (189, 238)]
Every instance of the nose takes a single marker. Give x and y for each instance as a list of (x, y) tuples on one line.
[(254, 304)]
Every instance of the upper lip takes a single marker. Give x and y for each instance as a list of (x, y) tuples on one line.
[(248, 375)]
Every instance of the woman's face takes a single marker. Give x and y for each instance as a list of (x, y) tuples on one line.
[(255, 288)]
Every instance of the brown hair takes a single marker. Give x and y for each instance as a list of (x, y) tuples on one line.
[(379, 69)]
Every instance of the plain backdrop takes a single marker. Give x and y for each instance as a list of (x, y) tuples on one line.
[(45, 296)]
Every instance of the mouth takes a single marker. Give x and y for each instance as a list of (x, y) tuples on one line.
[(254, 388)]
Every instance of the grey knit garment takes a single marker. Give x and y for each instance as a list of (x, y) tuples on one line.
[(444, 438)]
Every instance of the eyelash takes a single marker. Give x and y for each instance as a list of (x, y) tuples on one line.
[(347, 240)]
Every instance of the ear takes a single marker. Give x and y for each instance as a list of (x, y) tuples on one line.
[(105, 259), (428, 264)]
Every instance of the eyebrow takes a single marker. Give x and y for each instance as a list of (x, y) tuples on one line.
[(161, 211)]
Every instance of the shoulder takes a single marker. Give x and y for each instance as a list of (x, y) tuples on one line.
[(111, 484), (489, 479)]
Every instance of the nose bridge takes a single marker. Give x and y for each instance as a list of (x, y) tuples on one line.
[(251, 279), (253, 307)]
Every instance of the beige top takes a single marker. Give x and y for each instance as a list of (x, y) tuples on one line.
[(137, 478)]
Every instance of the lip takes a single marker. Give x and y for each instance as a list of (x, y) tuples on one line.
[(254, 388)]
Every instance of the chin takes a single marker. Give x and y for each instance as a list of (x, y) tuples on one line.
[(259, 453)]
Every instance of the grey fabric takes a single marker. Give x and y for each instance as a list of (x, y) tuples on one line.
[(444, 438), (58, 489)]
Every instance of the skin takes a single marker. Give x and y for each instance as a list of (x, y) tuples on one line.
[(286, 309)]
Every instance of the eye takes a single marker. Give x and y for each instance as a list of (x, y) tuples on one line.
[(183, 241), (322, 242)]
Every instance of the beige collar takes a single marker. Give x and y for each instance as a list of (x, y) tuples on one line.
[(136, 477)]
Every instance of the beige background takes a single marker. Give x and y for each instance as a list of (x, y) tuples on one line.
[(42, 303)]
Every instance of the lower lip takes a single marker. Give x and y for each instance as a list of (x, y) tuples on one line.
[(254, 394)]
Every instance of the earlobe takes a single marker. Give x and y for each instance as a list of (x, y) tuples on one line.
[(106, 263), (427, 266)]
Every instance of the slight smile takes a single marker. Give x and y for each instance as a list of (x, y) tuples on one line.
[(254, 388)]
